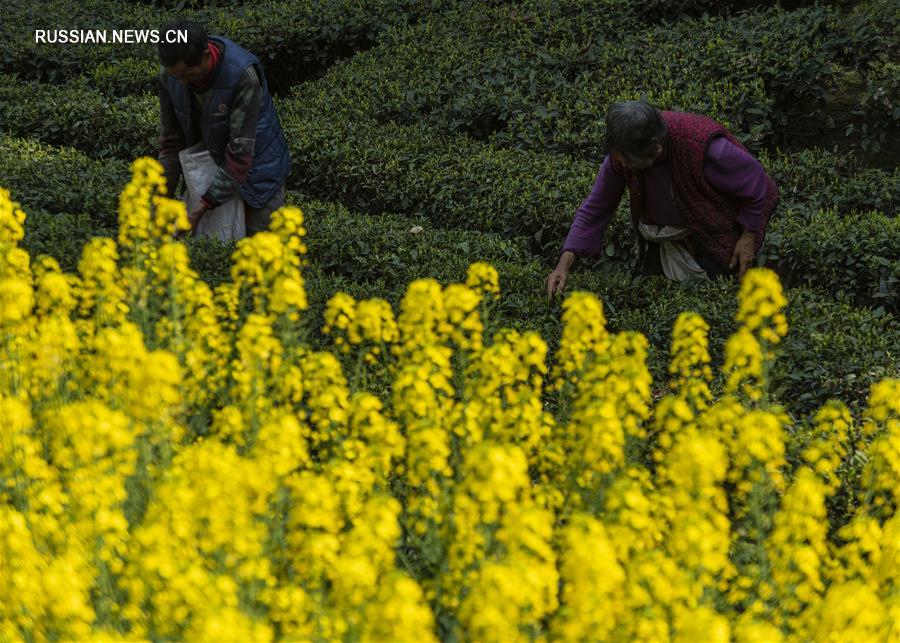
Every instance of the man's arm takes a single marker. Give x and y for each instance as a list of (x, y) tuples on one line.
[(239, 151), (171, 138)]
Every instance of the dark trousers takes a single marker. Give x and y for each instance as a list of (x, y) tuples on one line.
[(258, 219), (649, 262)]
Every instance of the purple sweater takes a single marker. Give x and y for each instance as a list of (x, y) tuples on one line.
[(728, 168)]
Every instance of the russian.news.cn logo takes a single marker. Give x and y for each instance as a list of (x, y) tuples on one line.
[(108, 36)]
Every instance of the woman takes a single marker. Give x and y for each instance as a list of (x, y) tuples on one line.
[(700, 203)]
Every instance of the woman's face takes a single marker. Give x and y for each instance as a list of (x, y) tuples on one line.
[(637, 164), (633, 164)]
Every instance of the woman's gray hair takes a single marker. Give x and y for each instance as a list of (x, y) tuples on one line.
[(633, 129)]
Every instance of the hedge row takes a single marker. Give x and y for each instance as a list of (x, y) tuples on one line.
[(549, 70), (853, 256), (865, 32), (458, 184), (543, 80), (129, 77), (62, 179), (21, 55), (338, 158), (61, 234), (818, 178), (370, 247), (76, 114), (832, 350), (410, 170), (548, 73), (298, 38)]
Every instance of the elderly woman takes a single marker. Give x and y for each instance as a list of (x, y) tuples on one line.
[(700, 202)]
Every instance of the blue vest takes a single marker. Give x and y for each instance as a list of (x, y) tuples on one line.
[(271, 159)]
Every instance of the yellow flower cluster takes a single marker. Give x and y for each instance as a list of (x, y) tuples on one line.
[(828, 448), (483, 277), (144, 213), (369, 323), (177, 463), (584, 336), (690, 365), (266, 270), (882, 473), (762, 304), (744, 365), (762, 325)]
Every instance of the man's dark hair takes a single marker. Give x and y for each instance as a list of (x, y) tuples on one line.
[(633, 129), (190, 52)]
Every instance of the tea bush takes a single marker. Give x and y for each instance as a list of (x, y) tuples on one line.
[(439, 72), (855, 257), (879, 104), (308, 35), (62, 179), (75, 114), (27, 59), (851, 255), (817, 178)]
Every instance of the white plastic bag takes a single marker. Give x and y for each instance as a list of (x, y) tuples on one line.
[(225, 222)]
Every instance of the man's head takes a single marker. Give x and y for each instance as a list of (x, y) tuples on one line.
[(635, 133), (187, 61)]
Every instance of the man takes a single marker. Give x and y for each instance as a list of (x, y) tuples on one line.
[(214, 91), (700, 203)]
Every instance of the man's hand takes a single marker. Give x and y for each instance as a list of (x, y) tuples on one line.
[(195, 216), (743, 252), (556, 281)]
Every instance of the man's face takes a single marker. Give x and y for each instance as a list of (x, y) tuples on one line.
[(190, 74)]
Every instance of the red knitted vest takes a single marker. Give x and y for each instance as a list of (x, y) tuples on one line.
[(711, 215)]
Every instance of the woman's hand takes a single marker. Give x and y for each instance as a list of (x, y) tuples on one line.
[(556, 281), (743, 252)]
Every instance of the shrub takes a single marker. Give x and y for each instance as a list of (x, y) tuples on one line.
[(62, 235), (296, 39), (879, 104), (866, 34), (127, 77), (394, 248), (817, 178), (853, 256), (27, 59), (835, 351), (76, 114), (62, 179), (439, 72)]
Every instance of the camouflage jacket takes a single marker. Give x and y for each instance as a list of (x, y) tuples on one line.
[(239, 151)]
